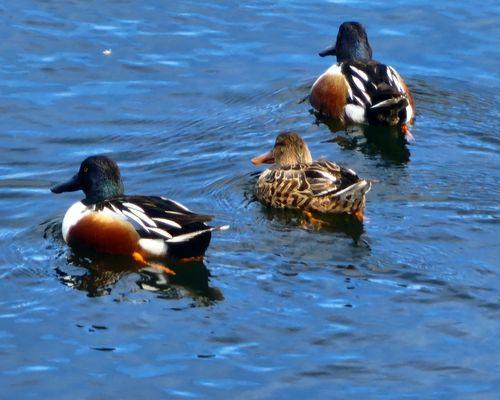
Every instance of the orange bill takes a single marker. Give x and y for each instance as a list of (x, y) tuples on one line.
[(266, 158)]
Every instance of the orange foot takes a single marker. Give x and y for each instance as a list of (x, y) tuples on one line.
[(162, 268), (140, 259), (406, 131), (314, 222), (359, 214), (191, 259)]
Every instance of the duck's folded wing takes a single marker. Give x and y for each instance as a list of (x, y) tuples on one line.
[(277, 184), (157, 217), (374, 85), (317, 179), (326, 178)]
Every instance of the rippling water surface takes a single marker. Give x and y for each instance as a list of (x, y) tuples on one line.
[(406, 306)]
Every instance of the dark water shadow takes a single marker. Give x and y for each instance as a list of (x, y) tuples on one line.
[(103, 272), (329, 223), (386, 142), (98, 274)]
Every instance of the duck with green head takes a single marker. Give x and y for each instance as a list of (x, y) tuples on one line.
[(295, 181), (108, 221), (357, 89)]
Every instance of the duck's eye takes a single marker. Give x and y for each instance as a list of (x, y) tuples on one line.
[(85, 169)]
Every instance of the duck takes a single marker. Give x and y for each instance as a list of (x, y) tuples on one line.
[(143, 227), (359, 90), (295, 181)]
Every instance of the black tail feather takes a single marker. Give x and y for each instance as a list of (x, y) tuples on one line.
[(388, 108)]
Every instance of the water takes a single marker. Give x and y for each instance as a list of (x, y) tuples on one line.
[(405, 307)]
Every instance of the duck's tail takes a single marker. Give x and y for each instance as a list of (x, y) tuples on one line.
[(186, 237), (389, 108), (192, 244), (359, 188), (352, 198)]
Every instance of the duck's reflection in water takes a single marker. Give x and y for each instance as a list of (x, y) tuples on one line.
[(336, 223), (102, 273), (388, 142)]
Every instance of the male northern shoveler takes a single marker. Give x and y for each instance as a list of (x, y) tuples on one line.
[(360, 90), (295, 181), (144, 227)]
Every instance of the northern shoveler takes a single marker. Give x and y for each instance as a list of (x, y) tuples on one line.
[(144, 227), (358, 89), (295, 181)]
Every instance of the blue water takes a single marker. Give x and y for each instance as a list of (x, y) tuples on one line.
[(407, 307)]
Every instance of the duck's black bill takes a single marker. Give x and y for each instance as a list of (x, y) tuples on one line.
[(72, 185), (330, 51)]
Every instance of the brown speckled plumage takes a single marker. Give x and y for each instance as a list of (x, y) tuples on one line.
[(308, 185)]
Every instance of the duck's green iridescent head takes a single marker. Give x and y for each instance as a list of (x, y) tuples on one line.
[(98, 177)]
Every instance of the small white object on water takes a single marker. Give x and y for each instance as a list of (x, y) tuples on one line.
[(106, 52)]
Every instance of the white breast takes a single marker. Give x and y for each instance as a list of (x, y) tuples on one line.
[(74, 214), (79, 210), (333, 70)]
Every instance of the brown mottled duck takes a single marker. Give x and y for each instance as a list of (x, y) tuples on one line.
[(295, 181)]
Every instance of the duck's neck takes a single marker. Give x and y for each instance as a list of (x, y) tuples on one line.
[(295, 157), (355, 50), (106, 190)]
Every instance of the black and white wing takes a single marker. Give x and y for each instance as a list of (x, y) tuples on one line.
[(378, 90), (159, 218)]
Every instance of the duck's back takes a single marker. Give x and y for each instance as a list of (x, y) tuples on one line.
[(320, 186), (363, 91)]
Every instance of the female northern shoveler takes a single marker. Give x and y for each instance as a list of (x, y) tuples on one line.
[(358, 89), (295, 181), (145, 227)]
